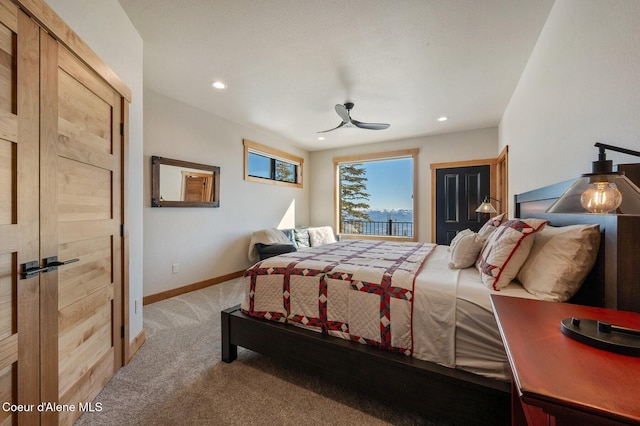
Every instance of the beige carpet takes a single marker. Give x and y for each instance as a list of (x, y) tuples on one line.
[(177, 378)]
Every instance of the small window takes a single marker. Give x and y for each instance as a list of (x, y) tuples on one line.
[(268, 165)]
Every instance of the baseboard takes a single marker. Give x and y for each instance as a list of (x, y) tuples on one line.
[(136, 344), (152, 298)]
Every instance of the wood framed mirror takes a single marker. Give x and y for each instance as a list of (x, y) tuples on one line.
[(176, 183)]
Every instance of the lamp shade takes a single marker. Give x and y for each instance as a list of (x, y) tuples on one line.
[(599, 193), (486, 207)]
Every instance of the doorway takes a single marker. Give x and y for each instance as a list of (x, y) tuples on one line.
[(459, 192)]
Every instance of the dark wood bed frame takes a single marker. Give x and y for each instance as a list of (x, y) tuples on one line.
[(455, 395)]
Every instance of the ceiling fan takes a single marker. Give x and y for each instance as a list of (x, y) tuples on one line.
[(344, 111)]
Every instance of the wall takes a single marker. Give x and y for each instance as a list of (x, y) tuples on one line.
[(105, 27), (459, 146), (209, 242), (581, 85)]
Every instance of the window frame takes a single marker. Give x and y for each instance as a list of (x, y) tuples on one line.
[(378, 156), (274, 155)]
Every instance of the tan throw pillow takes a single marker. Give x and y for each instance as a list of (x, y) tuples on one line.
[(458, 237), (506, 250), (560, 260), (465, 253)]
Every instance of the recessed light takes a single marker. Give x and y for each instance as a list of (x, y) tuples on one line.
[(320, 138), (219, 85), (443, 118)]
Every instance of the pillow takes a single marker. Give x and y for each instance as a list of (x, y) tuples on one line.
[(560, 260), (506, 250), (321, 235), (465, 252), (458, 237), (301, 237), (491, 225)]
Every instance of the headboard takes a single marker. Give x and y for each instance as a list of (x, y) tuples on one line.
[(614, 281)]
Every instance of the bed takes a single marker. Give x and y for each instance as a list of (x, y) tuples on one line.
[(473, 392)]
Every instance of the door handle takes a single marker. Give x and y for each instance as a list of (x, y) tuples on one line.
[(51, 263), (31, 269)]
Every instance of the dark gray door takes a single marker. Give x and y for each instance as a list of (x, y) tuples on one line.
[(459, 192)]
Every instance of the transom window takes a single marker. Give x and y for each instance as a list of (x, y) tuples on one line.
[(268, 165)]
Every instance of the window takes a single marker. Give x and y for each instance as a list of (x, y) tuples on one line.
[(376, 195), (268, 165)]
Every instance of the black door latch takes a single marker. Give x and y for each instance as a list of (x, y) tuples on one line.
[(31, 269)]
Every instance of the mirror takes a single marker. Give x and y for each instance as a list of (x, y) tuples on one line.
[(176, 183)]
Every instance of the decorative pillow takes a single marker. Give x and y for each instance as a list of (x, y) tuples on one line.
[(458, 237), (560, 260), (506, 250), (491, 225), (321, 235), (465, 252), (302, 237)]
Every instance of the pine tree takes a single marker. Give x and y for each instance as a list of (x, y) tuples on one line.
[(353, 194), (284, 171)]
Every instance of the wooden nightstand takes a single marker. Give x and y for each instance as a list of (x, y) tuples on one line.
[(558, 380)]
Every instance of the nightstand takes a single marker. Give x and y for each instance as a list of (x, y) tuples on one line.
[(558, 380)]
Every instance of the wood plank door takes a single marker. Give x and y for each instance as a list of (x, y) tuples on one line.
[(459, 191), (81, 217), (19, 186), (195, 188)]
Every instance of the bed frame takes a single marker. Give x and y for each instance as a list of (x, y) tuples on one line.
[(454, 395)]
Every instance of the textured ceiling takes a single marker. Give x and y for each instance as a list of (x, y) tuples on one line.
[(288, 62)]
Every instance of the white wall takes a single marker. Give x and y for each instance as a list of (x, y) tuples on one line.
[(460, 146), (105, 27), (209, 242), (580, 86)]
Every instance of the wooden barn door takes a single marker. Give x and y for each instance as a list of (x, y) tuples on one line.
[(19, 232), (80, 220), (60, 199)]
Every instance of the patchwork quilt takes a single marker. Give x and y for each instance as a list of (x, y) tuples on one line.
[(355, 289)]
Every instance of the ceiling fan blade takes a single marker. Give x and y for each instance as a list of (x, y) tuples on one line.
[(370, 126), (339, 125), (343, 113)]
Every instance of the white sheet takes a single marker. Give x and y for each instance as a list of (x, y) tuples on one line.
[(446, 296), (434, 309)]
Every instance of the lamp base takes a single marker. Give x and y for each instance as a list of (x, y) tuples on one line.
[(603, 335)]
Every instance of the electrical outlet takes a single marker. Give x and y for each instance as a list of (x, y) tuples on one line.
[(175, 268)]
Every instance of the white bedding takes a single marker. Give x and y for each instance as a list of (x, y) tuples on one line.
[(446, 296)]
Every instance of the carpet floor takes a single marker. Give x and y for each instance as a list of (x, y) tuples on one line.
[(177, 378)]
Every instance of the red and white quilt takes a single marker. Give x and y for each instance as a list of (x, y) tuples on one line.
[(356, 289)]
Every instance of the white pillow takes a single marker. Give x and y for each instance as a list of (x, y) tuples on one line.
[(465, 253), (560, 260), (506, 250), (321, 235), (458, 237)]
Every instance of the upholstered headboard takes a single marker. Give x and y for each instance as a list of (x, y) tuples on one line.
[(614, 281)]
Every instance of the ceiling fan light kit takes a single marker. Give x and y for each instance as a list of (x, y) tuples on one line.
[(344, 111)]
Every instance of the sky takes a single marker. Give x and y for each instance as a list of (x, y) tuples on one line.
[(390, 183)]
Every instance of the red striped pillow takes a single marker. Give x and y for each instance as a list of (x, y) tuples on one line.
[(491, 225), (506, 251)]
